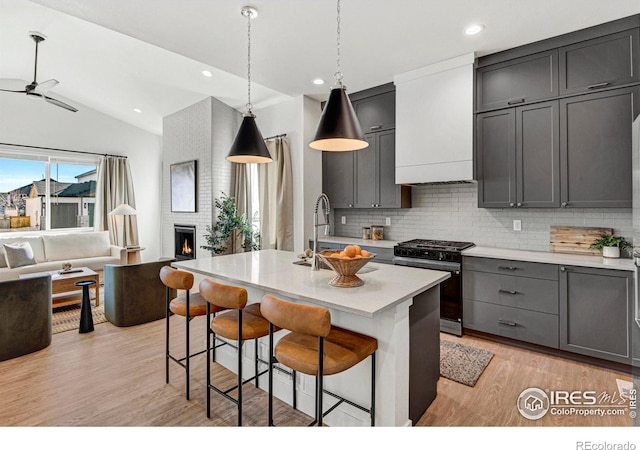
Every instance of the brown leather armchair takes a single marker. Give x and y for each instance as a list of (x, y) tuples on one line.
[(134, 294), (25, 316)]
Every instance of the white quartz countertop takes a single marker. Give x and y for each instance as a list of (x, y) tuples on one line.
[(273, 271), (598, 262), (360, 242)]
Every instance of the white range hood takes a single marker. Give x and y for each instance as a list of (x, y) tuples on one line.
[(434, 123)]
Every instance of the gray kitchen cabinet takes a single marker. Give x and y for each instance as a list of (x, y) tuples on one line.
[(596, 312), (375, 185), (635, 340), (338, 178), (518, 157), (595, 148), (513, 299), (376, 112), (366, 178), (521, 80), (604, 62)]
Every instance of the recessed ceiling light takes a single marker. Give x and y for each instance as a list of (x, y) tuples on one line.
[(138, 110), (318, 81), (473, 29), (207, 73)]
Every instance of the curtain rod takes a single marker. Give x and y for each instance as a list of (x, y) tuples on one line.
[(62, 150), (276, 136)]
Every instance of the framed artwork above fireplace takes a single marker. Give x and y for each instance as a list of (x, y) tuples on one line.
[(184, 186)]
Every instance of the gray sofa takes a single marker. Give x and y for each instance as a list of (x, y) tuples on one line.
[(25, 316), (82, 249), (134, 294)]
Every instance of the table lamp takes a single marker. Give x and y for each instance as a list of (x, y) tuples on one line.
[(124, 210)]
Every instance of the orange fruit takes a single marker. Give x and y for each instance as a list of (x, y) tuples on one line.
[(342, 254), (358, 249), (350, 251), (365, 254)]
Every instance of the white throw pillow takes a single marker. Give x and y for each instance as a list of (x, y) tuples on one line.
[(19, 254)]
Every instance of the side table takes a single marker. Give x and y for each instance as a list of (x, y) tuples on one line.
[(86, 318), (133, 255)]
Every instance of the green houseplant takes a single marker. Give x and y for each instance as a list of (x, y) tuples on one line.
[(610, 245), (229, 227)]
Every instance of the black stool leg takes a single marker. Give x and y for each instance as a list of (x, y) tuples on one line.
[(271, 358), (255, 364), (373, 389), (167, 339), (208, 360), (295, 397), (320, 372), (187, 353), (240, 368)]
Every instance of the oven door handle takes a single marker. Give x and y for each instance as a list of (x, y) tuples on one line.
[(426, 264)]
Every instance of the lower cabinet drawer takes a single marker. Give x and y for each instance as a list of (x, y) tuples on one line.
[(383, 255), (507, 290), (515, 323)]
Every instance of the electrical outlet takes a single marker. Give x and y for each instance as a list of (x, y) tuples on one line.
[(517, 225), (387, 221), (343, 220)]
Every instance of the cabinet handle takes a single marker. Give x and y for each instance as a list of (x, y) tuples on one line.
[(598, 85), (563, 269), (506, 291), (373, 205), (564, 204), (511, 205), (375, 127), (507, 322), (350, 205), (516, 101), (507, 267), (519, 204)]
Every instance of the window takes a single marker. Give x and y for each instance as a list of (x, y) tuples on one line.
[(39, 192)]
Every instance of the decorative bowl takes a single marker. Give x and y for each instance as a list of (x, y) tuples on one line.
[(345, 268)]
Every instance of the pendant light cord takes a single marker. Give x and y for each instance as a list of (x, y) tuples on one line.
[(249, 106), (338, 74)]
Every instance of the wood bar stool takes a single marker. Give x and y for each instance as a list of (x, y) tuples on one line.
[(187, 305), (241, 322), (317, 348)]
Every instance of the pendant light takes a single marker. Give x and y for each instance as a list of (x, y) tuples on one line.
[(339, 129), (249, 146)]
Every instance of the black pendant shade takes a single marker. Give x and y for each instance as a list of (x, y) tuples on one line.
[(249, 146), (339, 129)]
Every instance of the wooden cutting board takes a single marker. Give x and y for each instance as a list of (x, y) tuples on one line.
[(576, 240)]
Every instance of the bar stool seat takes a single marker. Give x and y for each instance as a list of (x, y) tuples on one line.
[(343, 349), (315, 347), (254, 326), (197, 305)]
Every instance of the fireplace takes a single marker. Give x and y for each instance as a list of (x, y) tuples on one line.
[(185, 242)]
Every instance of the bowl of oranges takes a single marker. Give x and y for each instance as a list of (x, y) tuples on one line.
[(345, 263)]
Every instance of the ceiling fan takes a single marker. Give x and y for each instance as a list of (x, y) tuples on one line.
[(38, 90)]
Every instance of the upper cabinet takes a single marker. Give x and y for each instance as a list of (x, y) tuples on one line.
[(434, 126), (553, 120), (608, 61), (517, 81), (366, 178)]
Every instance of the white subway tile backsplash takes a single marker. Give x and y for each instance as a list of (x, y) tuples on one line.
[(451, 213)]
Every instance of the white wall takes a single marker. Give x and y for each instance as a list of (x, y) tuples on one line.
[(298, 118), (25, 121)]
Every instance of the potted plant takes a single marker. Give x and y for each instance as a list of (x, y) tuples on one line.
[(230, 226), (610, 245)]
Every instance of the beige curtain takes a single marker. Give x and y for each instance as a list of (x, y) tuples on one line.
[(241, 193), (115, 187), (276, 197)]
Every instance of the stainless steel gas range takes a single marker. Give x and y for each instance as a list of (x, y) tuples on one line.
[(439, 255)]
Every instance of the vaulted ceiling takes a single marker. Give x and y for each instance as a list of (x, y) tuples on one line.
[(117, 55)]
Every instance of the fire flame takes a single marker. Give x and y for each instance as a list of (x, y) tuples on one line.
[(186, 250)]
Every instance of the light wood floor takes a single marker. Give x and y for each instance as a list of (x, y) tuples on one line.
[(115, 377)]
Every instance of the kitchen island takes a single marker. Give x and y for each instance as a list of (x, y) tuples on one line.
[(397, 305)]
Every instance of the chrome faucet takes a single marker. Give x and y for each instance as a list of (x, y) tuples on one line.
[(315, 264)]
